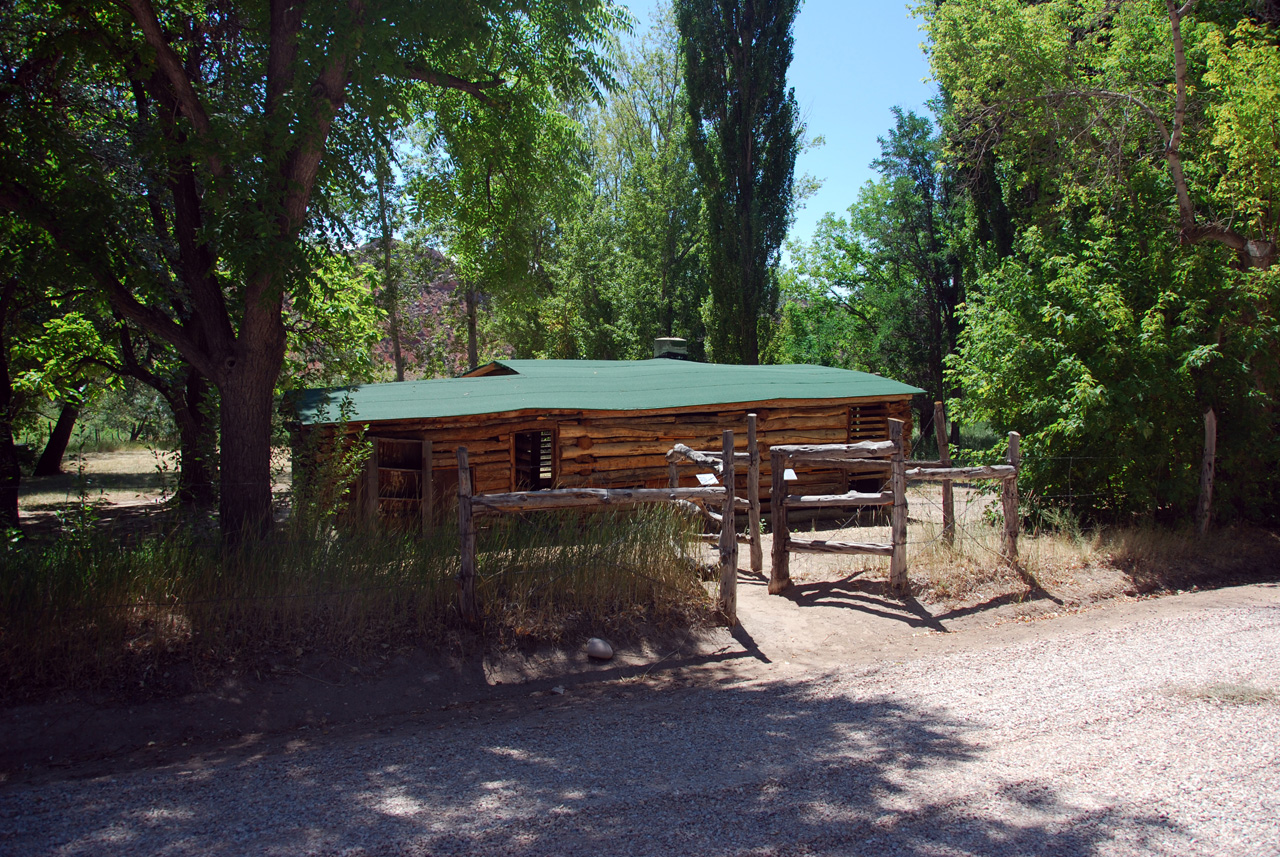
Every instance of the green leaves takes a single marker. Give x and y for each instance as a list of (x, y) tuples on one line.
[(1244, 73), (744, 137)]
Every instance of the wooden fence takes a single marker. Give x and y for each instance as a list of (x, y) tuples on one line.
[(470, 504), (882, 456), (681, 455), (863, 457), (850, 456)]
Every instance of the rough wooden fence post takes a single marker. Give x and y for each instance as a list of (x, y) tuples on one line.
[(753, 496), (780, 572), (673, 474), (467, 533), (1204, 507), (371, 487), (1009, 499), (728, 540), (944, 457), (898, 479), (427, 489)]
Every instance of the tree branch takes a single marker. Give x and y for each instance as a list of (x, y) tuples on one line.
[(171, 67), (22, 202), (445, 80)]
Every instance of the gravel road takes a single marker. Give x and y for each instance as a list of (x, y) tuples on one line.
[(1114, 740)]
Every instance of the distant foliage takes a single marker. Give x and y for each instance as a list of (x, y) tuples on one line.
[(1121, 161)]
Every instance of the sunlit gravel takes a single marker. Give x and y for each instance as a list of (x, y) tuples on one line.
[(1101, 742)]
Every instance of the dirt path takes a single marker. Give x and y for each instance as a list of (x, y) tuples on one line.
[(1136, 727)]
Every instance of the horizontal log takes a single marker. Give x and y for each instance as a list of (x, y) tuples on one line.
[(824, 546), (590, 478), (739, 503), (575, 497), (672, 431), (714, 538), (590, 462), (836, 451), (947, 474), (854, 465), (802, 436), (681, 452), (853, 498)]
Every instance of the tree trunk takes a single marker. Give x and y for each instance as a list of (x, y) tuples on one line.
[(390, 288), (245, 417), (10, 472), (473, 349), (50, 463), (197, 443)]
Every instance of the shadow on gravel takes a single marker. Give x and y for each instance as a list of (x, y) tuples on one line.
[(762, 769), (866, 596)]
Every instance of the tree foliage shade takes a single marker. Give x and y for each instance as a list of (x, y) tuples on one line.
[(189, 157)]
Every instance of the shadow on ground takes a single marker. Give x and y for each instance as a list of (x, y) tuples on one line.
[(765, 768)]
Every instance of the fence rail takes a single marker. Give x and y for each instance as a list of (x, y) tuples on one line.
[(575, 498), (861, 457), (681, 455)]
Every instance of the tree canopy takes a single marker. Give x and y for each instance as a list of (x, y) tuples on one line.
[(186, 156)]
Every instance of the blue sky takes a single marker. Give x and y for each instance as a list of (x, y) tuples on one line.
[(854, 61)]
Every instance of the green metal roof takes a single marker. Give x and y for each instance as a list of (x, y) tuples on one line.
[(590, 385)]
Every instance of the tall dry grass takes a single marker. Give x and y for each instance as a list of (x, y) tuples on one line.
[(98, 608), (1097, 562)]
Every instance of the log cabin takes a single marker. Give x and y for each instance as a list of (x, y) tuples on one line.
[(534, 424)]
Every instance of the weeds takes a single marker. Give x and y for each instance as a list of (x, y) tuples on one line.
[(549, 575), (1231, 693), (96, 609)]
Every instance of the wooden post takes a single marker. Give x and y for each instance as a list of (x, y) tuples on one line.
[(426, 488), (753, 497), (467, 533), (1205, 505), (1009, 498), (944, 456), (728, 540), (780, 573), (673, 474), (898, 480), (371, 487)]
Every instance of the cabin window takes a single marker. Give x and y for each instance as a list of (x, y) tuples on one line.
[(868, 422), (533, 460)]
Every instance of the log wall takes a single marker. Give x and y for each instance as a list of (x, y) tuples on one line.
[(620, 449)]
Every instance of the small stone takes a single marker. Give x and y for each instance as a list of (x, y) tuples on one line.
[(599, 649), (558, 690)]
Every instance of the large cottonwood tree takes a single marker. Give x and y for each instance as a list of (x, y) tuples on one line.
[(182, 154)]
